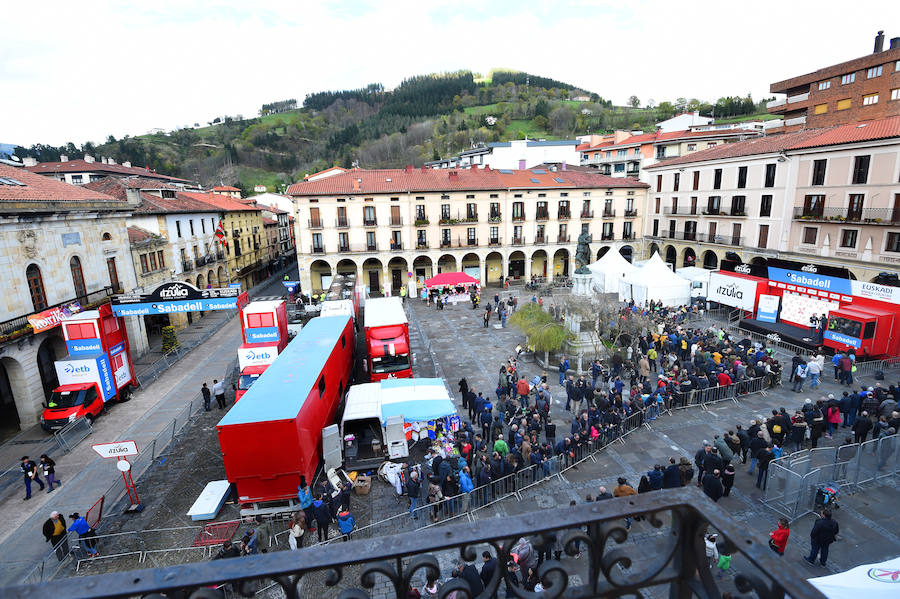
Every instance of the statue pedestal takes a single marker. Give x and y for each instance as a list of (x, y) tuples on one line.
[(581, 284)]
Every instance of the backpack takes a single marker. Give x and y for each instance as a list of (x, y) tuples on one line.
[(776, 429)]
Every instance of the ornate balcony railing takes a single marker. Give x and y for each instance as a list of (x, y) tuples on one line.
[(870, 216), (19, 327), (672, 559)]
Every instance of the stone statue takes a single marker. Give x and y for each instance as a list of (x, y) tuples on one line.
[(583, 254)]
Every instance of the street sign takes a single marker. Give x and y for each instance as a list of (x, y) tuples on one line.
[(119, 449)]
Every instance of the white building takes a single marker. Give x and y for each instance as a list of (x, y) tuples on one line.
[(89, 170), (519, 154), (683, 121)]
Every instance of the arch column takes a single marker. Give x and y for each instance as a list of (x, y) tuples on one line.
[(527, 276)]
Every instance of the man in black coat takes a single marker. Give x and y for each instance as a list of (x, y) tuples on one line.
[(468, 573), (712, 485), (671, 475), (822, 535), (744, 438), (54, 530), (861, 428), (488, 567)]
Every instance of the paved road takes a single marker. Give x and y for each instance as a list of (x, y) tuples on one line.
[(86, 476)]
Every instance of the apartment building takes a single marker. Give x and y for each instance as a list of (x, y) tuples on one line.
[(861, 89), (173, 238), (245, 254), (388, 225), (832, 192), (81, 171), (624, 154), (515, 154)]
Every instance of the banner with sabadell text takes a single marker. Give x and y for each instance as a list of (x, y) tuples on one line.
[(173, 297)]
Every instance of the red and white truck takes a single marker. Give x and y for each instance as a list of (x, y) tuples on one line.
[(97, 369), (387, 339), (265, 334)]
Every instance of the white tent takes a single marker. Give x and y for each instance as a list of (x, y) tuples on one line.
[(609, 270), (655, 281), (874, 581)]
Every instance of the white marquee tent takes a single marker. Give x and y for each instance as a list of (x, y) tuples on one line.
[(874, 581), (655, 281), (608, 271)]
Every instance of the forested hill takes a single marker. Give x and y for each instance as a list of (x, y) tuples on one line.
[(425, 117)]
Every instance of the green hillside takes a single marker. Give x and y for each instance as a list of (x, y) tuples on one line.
[(424, 118)]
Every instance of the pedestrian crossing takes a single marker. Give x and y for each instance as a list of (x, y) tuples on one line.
[(267, 298)]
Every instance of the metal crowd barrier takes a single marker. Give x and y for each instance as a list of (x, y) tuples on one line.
[(795, 479)]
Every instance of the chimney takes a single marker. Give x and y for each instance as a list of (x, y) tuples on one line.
[(89, 159), (111, 161), (895, 43), (133, 196), (356, 184), (453, 175), (562, 166), (29, 161), (103, 160), (63, 158), (879, 42), (408, 168), (126, 164)]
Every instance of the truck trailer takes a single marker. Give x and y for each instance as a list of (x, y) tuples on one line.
[(273, 435)]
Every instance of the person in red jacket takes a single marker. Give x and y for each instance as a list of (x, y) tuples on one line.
[(724, 379), (779, 536)]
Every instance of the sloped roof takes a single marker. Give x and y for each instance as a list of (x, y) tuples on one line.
[(225, 188), (807, 138), (749, 147), (83, 166), (854, 132), (358, 182), (150, 204), (35, 188), (226, 203), (137, 235), (327, 170)]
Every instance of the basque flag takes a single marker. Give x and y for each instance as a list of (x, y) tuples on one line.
[(220, 234)]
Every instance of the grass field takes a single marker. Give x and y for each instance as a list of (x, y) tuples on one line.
[(251, 176), (749, 117)]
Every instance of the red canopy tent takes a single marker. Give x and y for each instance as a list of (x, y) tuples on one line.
[(451, 279)]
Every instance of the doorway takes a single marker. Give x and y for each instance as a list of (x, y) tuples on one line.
[(374, 281), (396, 279), (9, 415)]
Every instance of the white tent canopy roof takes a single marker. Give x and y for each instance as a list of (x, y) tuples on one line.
[(655, 281), (609, 270), (872, 581)]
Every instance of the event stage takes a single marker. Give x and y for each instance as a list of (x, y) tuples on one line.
[(801, 336)]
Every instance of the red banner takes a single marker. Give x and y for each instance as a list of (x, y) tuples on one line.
[(48, 319)]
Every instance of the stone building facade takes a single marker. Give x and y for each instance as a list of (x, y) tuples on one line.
[(58, 243)]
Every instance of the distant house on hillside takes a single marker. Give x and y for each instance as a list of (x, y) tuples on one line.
[(517, 154), (683, 121)]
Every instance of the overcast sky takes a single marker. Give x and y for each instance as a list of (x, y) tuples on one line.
[(79, 71)]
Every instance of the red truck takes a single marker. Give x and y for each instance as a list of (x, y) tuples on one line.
[(274, 435), (265, 335), (387, 339), (97, 369)]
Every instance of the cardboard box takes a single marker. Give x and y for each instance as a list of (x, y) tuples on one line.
[(363, 484)]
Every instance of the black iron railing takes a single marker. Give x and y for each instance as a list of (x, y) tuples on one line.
[(611, 565), (18, 327), (874, 216)]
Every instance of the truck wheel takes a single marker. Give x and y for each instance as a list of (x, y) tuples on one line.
[(90, 418), (124, 394)]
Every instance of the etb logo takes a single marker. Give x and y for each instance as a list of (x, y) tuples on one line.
[(72, 369), (252, 355)]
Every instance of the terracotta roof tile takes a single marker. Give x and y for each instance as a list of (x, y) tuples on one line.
[(225, 188), (150, 203), (359, 182), (82, 166), (805, 138), (137, 235), (43, 189), (749, 147), (854, 132), (222, 202)]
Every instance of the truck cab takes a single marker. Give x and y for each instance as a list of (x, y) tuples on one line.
[(869, 331), (67, 403), (248, 376)]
